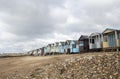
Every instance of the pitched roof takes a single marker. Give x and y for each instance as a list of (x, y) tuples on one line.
[(68, 41), (107, 30), (62, 43), (94, 34), (76, 41), (82, 37)]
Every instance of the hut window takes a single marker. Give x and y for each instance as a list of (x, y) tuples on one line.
[(90, 40), (81, 43), (119, 36), (105, 39), (74, 46), (93, 41)]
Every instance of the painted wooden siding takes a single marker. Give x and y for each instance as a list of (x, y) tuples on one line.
[(74, 50), (95, 41), (74, 47), (105, 44), (84, 47), (39, 52), (107, 31), (118, 39), (67, 46), (60, 48), (111, 40)]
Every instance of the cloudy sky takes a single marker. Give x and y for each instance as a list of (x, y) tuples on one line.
[(31, 24)]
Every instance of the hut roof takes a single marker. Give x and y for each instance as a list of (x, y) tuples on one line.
[(108, 30), (94, 34), (62, 43), (83, 37)]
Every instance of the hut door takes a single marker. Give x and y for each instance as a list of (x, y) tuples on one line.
[(111, 40), (68, 51), (119, 38)]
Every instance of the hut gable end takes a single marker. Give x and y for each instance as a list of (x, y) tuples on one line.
[(108, 30), (83, 37)]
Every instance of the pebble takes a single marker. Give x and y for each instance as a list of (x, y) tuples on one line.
[(105, 66)]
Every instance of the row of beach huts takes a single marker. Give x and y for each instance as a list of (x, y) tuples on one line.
[(108, 40)]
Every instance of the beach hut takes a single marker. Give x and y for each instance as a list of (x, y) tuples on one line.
[(74, 48), (111, 39), (36, 52), (61, 47), (67, 46), (39, 51), (53, 50), (33, 52), (83, 43), (29, 52), (71, 46), (49, 49), (56, 47), (95, 42), (42, 51), (45, 51)]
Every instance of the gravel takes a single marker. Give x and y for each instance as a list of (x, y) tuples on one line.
[(105, 66)]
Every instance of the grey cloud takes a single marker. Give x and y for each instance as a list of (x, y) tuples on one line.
[(93, 15), (29, 18), (33, 19)]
